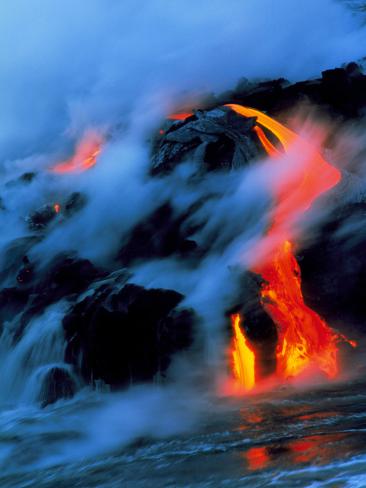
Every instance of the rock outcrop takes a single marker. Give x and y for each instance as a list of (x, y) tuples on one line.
[(56, 385), (217, 139), (127, 334)]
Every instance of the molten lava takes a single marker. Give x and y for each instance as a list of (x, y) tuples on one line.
[(267, 145), (243, 356), (179, 116), (86, 154), (304, 338)]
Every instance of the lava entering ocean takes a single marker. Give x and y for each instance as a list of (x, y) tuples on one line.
[(304, 338)]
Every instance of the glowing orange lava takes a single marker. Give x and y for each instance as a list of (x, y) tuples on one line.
[(86, 154), (268, 146), (179, 116), (243, 356), (304, 338)]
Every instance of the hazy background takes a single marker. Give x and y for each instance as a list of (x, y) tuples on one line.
[(67, 65)]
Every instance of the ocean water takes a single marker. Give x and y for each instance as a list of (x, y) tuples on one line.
[(287, 438)]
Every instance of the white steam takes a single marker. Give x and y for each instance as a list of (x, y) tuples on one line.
[(68, 65)]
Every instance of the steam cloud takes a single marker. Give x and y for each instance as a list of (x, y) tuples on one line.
[(69, 65)]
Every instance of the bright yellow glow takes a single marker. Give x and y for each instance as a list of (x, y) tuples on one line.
[(243, 357)]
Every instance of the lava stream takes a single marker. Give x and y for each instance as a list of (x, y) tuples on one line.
[(179, 116), (243, 356), (304, 338), (85, 157)]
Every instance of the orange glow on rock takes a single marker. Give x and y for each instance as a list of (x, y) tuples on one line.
[(85, 157), (304, 338), (179, 116), (57, 207), (243, 356)]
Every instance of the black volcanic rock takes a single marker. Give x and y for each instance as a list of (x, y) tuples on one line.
[(24, 179), (333, 268), (161, 234), (26, 273), (75, 202), (40, 218), (56, 384), (28, 177), (67, 274), (14, 255), (257, 325), (64, 278), (12, 301), (340, 92), (215, 139), (126, 335)]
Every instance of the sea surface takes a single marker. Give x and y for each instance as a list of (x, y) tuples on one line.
[(287, 438)]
